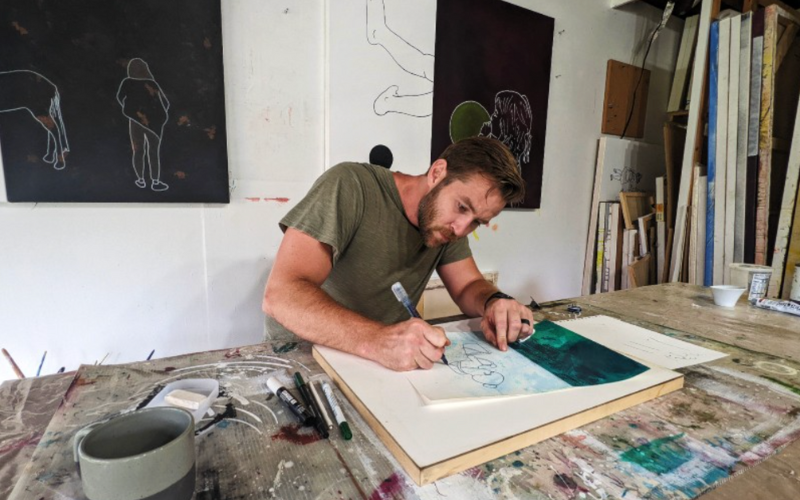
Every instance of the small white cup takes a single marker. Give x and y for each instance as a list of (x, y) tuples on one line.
[(726, 295)]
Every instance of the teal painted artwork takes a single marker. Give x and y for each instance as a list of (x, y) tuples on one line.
[(552, 359), (575, 359)]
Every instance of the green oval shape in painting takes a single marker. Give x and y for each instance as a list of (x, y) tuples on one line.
[(467, 120)]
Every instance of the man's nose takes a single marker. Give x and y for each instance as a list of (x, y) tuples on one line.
[(460, 226)]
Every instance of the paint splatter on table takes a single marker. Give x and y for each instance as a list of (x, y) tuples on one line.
[(732, 414)]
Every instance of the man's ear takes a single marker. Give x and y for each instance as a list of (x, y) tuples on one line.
[(437, 172)]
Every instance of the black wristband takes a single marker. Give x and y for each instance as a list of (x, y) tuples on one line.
[(496, 295)]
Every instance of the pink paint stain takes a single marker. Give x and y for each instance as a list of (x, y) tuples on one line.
[(253, 199), (391, 488), (22, 443), (279, 200)]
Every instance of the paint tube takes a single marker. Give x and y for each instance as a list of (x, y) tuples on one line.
[(785, 306)]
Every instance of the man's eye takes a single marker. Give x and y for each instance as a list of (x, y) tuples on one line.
[(462, 208)]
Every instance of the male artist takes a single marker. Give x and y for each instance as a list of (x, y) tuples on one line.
[(362, 228)]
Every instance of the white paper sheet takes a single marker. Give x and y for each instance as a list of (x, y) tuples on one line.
[(636, 342)]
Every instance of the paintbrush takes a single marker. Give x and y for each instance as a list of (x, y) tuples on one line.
[(13, 364)]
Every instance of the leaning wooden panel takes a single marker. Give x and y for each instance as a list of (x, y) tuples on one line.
[(793, 251), (694, 134), (435, 441), (765, 138)]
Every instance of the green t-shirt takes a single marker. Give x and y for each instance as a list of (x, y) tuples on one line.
[(356, 209)]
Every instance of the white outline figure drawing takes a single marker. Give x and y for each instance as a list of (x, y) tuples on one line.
[(28, 90), (146, 107), (408, 57), (482, 371)]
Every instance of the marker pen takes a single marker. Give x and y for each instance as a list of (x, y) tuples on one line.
[(284, 395), (337, 412)]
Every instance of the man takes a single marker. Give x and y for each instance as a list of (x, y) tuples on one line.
[(362, 228)]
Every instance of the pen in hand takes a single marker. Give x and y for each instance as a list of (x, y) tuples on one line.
[(402, 297)]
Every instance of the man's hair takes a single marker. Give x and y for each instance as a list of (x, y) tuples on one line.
[(489, 158)]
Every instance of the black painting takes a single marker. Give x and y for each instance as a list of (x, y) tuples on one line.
[(492, 77), (112, 101)]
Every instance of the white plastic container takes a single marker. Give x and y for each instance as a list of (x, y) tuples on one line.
[(726, 295), (208, 387)]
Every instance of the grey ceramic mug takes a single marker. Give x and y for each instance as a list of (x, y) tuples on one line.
[(144, 455)]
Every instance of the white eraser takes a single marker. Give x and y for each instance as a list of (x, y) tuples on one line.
[(184, 399)]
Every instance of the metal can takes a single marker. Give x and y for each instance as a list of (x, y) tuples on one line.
[(758, 286)]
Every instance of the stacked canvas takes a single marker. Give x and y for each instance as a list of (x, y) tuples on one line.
[(742, 209)]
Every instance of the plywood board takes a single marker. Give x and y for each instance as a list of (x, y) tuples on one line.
[(732, 145), (745, 45), (720, 181), (639, 272), (432, 443), (793, 251), (622, 103), (693, 134)]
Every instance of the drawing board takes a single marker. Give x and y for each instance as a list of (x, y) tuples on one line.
[(435, 441)]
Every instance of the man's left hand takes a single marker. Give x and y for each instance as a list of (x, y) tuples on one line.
[(505, 321)]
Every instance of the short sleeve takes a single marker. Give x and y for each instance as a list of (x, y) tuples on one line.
[(332, 210), (456, 251)]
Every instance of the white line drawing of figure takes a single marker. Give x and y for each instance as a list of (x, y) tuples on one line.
[(32, 92), (146, 107), (408, 57), (482, 371), (510, 123)]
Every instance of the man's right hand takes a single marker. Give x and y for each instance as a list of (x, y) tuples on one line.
[(409, 345)]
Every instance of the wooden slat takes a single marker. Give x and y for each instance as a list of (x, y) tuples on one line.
[(793, 251), (765, 134)]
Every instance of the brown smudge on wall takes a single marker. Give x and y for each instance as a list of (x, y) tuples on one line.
[(211, 132), (32, 158), (206, 43), (180, 174), (143, 118), (152, 90), (183, 120), (46, 121), (22, 31)]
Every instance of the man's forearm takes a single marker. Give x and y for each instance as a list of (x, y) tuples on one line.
[(310, 313), (474, 296)]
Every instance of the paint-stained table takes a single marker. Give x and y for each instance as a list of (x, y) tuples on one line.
[(732, 415)]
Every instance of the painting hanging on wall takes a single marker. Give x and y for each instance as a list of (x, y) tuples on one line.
[(112, 101), (492, 78)]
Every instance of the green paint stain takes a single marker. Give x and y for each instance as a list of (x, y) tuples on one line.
[(779, 382), (517, 464), (575, 359), (287, 347), (659, 456)]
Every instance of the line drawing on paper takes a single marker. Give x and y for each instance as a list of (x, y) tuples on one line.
[(147, 109), (32, 92), (482, 370), (409, 58), (656, 346)]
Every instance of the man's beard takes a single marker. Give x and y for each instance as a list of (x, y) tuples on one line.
[(426, 215)]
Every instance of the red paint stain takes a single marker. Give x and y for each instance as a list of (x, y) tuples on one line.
[(22, 443), (279, 200), (292, 434), (475, 473), (46, 121), (183, 120), (22, 31), (253, 199), (180, 174), (151, 90), (76, 382), (233, 353), (211, 132), (391, 488)]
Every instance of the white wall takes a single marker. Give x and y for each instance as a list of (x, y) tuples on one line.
[(81, 281)]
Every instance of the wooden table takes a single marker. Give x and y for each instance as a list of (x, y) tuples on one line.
[(732, 417)]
